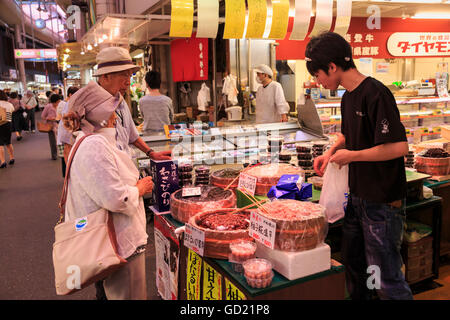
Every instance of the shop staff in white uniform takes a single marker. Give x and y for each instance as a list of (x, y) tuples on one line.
[(271, 106)]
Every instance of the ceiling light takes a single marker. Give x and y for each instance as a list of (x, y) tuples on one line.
[(89, 47), (105, 37), (82, 52), (100, 40)]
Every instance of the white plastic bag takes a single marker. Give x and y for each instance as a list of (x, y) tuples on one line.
[(334, 192)]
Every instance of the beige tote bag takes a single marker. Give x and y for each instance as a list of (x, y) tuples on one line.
[(85, 250)]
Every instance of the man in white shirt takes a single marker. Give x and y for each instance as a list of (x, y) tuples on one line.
[(271, 106), (29, 102)]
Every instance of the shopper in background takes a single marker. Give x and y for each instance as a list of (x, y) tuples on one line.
[(373, 143), (156, 108), (271, 106), (64, 138), (103, 176), (18, 120), (114, 71), (49, 115), (29, 103), (5, 131)]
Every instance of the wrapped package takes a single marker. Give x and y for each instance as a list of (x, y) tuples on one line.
[(268, 175), (301, 225), (221, 229), (290, 186)]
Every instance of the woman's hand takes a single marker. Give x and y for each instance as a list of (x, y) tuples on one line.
[(145, 185)]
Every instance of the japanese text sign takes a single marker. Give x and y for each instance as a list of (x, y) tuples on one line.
[(262, 230), (194, 239), (212, 283), (193, 272)]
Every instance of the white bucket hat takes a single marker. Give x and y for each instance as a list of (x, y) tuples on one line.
[(263, 68), (114, 59)]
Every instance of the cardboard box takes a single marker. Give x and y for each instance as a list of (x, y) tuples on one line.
[(165, 178)]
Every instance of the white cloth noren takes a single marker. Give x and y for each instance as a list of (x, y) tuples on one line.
[(102, 176)]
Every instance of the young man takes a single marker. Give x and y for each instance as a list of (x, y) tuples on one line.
[(373, 143), (271, 106)]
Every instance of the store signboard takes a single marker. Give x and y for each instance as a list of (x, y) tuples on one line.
[(165, 178), (12, 73), (193, 273), (419, 44), (212, 283), (262, 230), (39, 78), (232, 292), (194, 239), (35, 53)]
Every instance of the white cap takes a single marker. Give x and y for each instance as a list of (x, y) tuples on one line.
[(263, 68)]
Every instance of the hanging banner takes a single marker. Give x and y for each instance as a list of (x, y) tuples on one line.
[(181, 18), (232, 292), (212, 283), (280, 19), (193, 272), (343, 16), (257, 15), (234, 19), (324, 16), (417, 44), (302, 19), (207, 18)]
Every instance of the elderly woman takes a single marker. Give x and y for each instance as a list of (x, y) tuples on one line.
[(102, 176), (49, 115)]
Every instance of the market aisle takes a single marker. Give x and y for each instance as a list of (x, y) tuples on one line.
[(29, 196)]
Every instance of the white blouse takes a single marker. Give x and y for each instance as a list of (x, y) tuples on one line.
[(102, 176)]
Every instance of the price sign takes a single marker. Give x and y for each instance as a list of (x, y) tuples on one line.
[(247, 183), (262, 230), (194, 239), (191, 192)]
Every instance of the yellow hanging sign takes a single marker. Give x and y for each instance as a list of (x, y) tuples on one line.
[(181, 18), (212, 283), (234, 19), (193, 272), (257, 15), (232, 292), (280, 19)]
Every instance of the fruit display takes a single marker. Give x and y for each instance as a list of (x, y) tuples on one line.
[(211, 198), (301, 225), (221, 227)]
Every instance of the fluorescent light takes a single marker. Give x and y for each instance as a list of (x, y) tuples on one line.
[(431, 15)]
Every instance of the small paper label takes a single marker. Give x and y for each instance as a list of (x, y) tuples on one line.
[(191, 192), (194, 239), (247, 183), (262, 230)]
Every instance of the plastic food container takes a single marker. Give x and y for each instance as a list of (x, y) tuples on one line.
[(185, 167), (258, 272), (242, 250), (303, 147)]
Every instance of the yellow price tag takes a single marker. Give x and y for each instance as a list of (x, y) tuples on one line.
[(234, 19), (182, 18), (193, 272), (257, 14), (280, 19), (212, 283)]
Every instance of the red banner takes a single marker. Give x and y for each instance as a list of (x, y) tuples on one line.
[(373, 43)]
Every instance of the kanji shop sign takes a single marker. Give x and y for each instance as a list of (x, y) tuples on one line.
[(419, 44)]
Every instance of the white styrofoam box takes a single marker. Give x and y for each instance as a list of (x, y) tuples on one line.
[(294, 265)]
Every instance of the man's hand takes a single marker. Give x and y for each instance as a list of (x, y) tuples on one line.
[(284, 118), (320, 164), (162, 155), (343, 157), (145, 185)]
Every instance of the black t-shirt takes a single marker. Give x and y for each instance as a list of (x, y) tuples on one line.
[(370, 117)]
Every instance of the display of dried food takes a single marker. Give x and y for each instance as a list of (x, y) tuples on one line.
[(211, 198), (435, 162), (268, 175), (222, 178), (222, 227), (435, 153), (301, 225)]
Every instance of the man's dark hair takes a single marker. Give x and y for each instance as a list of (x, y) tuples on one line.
[(3, 95), (14, 95), (71, 90), (48, 94), (153, 79), (54, 98), (326, 48)]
